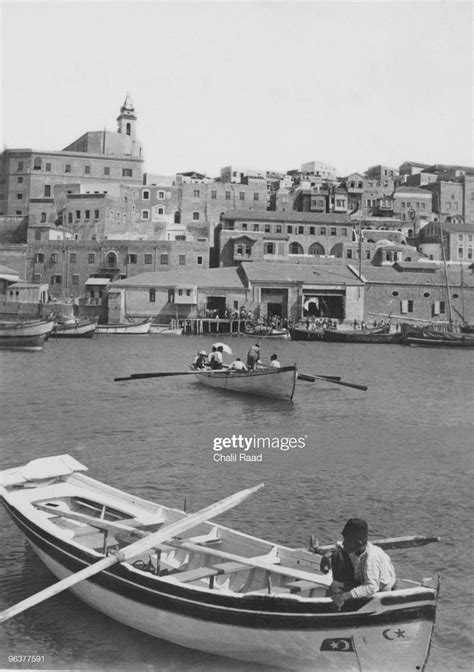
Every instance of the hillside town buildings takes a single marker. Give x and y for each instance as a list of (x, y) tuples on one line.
[(87, 221)]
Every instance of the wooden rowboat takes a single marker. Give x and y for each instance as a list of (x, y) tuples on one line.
[(24, 334), (126, 328), (378, 335), (74, 329), (272, 383), (213, 588), (447, 341)]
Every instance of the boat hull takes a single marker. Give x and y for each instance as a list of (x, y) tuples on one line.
[(272, 383), (165, 331), (84, 329), (112, 329), (452, 342), (28, 335), (303, 334), (359, 337)]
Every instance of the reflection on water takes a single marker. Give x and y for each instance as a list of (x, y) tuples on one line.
[(399, 455)]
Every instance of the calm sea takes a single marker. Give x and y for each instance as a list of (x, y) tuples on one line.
[(399, 455)]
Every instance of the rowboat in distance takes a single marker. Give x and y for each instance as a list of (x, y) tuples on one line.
[(445, 341), (311, 333), (376, 335), (261, 331), (74, 329), (125, 328), (24, 334), (165, 330), (212, 588), (272, 383)]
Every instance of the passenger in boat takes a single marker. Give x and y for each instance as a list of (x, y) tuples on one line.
[(372, 568), (238, 365), (201, 360), (215, 359), (253, 356), (274, 363)]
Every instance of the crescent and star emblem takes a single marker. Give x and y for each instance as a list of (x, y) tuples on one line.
[(398, 633), (340, 645)]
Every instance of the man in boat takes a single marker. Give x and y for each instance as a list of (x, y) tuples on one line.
[(201, 360), (215, 359), (360, 569), (274, 363), (238, 365), (253, 356)]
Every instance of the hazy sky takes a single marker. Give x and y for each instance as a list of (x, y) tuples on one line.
[(254, 84)]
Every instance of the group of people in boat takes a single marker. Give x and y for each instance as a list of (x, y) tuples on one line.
[(215, 361), (359, 569)]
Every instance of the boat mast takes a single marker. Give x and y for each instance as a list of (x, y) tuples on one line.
[(448, 289)]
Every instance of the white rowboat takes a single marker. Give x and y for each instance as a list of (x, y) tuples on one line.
[(24, 335), (272, 383), (126, 328), (212, 588)]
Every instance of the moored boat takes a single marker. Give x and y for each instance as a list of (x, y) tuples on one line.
[(377, 335), (213, 588), (441, 341), (273, 383), (74, 329), (24, 334), (267, 332), (311, 333), (165, 330), (125, 328)]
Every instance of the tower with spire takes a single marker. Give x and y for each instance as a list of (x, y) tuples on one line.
[(126, 119)]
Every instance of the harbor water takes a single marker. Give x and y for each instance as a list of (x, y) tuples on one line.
[(399, 455)]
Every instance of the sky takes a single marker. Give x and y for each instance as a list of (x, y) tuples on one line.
[(262, 85)]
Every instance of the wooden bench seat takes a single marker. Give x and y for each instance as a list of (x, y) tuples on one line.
[(209, 572), (302, 585)]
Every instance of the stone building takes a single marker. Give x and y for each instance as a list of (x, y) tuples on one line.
[(458, 240), (96, 157)]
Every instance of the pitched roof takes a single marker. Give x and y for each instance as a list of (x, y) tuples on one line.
[(227, 277), (282, 272)]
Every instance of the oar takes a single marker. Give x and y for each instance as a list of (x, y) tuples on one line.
[(131, 551), (161, 374), (311, 378), (308, 377), (390, 543)]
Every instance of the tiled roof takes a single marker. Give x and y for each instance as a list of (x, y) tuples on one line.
[(335, 273), (213, 277), (291, 216)]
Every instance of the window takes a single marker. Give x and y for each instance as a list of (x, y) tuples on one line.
[(48, 167), (39, 258), (67, 168), (180, 237), (164, 260), (195, 215), (227, 195), (78, 214), (267, 228), (75, 279), (132, 259), (117, 216), (242, 195), (19, 180), (278, 228), (182, 260), (213, 194), (255, 197), (37, 235), (255, 227), (311, 230), (148, 258), (69, 217), (73, 257), (145, 214), (442, 307), (301, 229), (349, 254), (56, 279), (91, 258), (152, 295), (127, 172), (199, 261), (394, 293), (54, 258), (161, 195), (47, 190), (87, 214), (333, 231), (426, 294), (87, 170), (37, 163), (460, 252), (269, 248), (244, 226), (289, 229), (146, 195), (19, 197), (196, 193), (96, 214), (20, 167), (460, 237), (106, 170), (161, 210), (323, 231), (37, 278), (344, 232), (170, 295)]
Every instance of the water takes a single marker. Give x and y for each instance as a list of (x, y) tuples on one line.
[(399, 455)]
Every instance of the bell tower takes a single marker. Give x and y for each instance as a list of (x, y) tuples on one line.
[(126, 119)]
